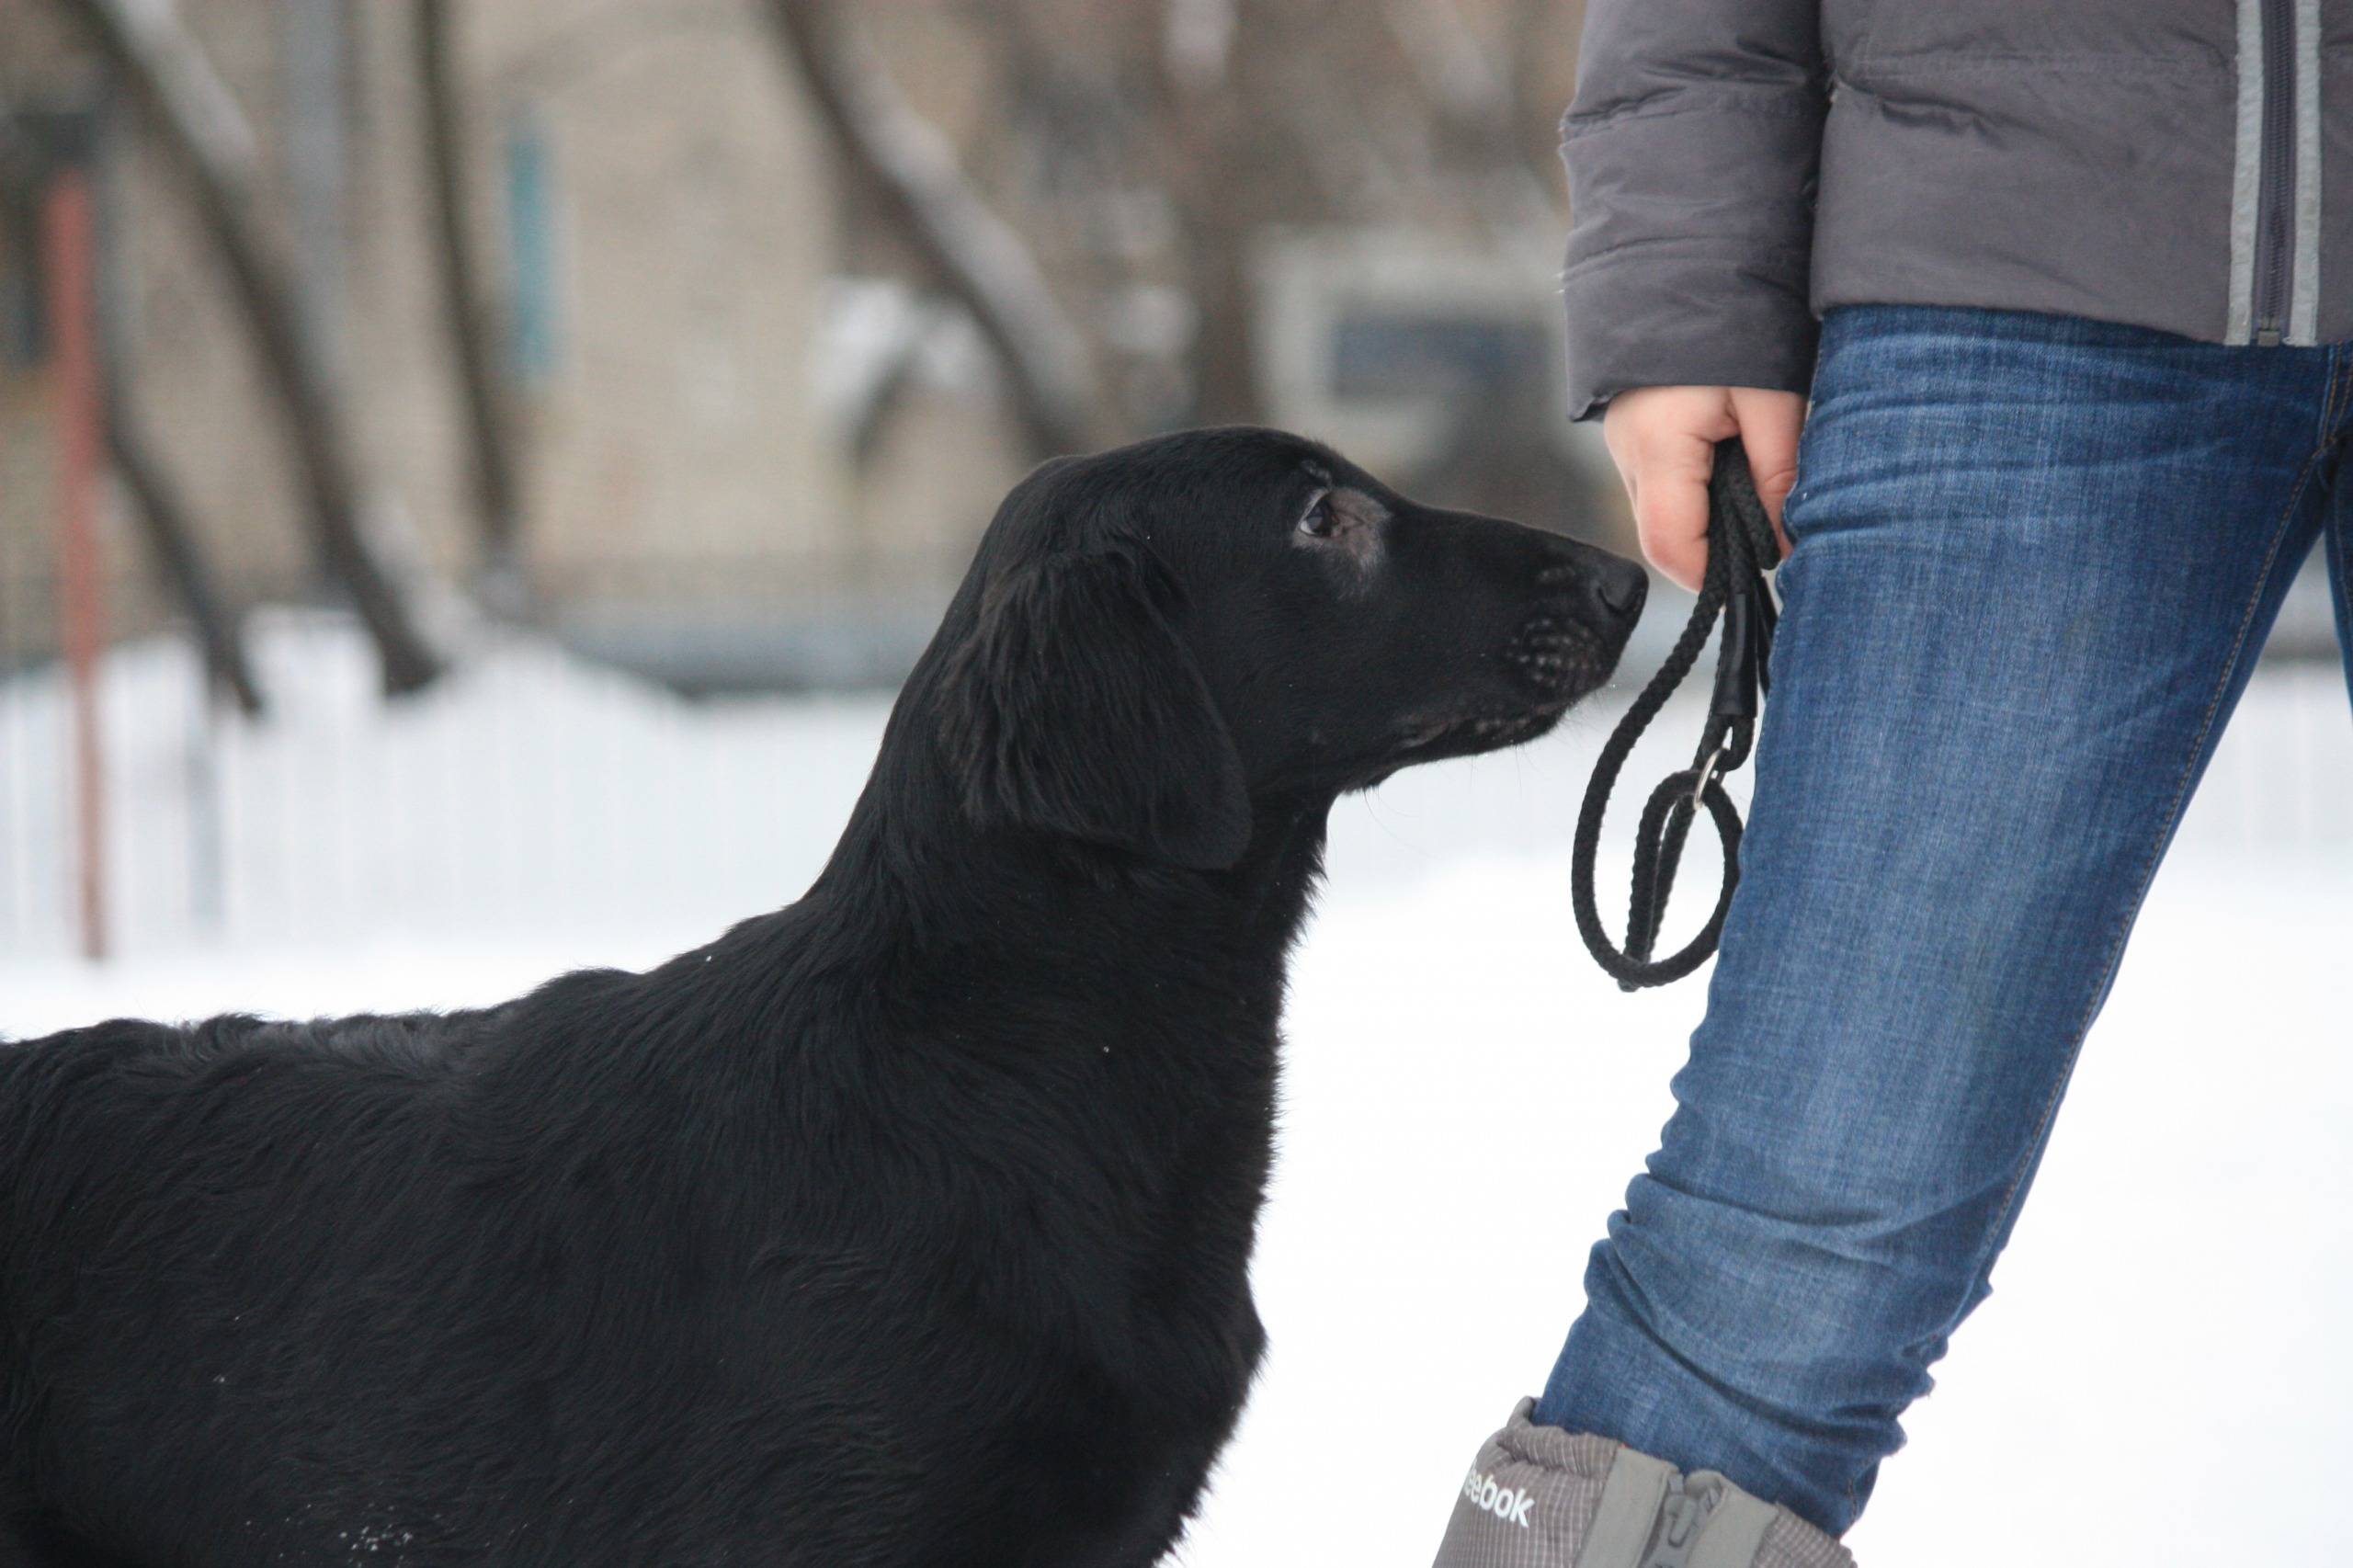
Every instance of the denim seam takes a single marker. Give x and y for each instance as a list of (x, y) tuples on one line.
[(2335, 384), (1985, 1262), (2340, 550), (2342, 584)]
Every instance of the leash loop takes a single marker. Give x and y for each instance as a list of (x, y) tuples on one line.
[(1740, 549)]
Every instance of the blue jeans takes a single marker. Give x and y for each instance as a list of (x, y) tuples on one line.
[(2034, 561)]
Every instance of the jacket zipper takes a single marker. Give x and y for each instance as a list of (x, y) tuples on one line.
[(2275, 202)]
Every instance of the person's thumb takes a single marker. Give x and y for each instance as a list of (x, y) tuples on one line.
[(1670, 486)]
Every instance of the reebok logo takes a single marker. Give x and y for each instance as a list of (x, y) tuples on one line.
[(1505, 1503)]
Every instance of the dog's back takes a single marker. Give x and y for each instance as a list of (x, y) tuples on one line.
[(538, 1260), (69, 1151), (167, 1197)]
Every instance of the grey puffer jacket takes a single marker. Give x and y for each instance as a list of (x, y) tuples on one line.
[(1736, 167)]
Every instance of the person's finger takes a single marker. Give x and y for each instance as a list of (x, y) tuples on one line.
[(1662, 440), (1770, 423)]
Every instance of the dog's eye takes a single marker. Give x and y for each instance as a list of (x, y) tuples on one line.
[(1317, 518)]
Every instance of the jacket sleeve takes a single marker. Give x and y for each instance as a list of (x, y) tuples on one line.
[(1691, 151)]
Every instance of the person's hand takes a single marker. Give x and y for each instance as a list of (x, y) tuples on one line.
[(1662, 441)]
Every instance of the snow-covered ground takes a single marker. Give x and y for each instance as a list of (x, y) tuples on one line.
[(2162, 1377)]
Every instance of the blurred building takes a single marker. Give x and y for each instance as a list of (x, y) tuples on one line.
[(665, 227), (754, 443)]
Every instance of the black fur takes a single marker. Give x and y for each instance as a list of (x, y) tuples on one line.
[(907, 1225)]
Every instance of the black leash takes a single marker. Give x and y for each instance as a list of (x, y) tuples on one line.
[(1741, 548)]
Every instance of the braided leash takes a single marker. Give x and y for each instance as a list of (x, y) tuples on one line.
[(1740, 549)]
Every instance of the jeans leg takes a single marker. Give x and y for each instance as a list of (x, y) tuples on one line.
[(2034, 561), (2341, 564)]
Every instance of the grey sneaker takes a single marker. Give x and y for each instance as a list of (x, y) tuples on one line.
[(1539, 1497)]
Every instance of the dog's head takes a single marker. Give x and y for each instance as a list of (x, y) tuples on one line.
[(1153, 638)]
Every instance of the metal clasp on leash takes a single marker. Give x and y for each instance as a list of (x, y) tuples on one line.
[(1707, 775)]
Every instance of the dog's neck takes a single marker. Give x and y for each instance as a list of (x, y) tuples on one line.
[(948, 875), (913, 876)]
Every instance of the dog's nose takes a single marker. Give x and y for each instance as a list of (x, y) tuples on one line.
[(1618, 588)]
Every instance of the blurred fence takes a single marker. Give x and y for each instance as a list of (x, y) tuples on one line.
[(530, 788), (535, 791)]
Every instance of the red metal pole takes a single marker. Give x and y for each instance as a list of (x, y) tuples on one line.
[(67, 262)]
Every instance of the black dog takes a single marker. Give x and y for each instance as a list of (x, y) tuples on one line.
[(909, 1225)]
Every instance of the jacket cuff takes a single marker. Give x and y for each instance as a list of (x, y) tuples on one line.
[(1647, 318)]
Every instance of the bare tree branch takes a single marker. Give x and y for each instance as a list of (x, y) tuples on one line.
[(211, 147), (163, 519), (973, 254), (490, 449)]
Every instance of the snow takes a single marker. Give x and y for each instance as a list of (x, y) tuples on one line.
[(2159, 1378)]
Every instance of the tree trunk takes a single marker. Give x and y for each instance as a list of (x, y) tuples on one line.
[(974, 257), (490, 450), (1210, 156), (1226, 346), (210, 146), (164, 521)]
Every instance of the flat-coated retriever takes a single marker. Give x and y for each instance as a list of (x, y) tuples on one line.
[(907, 1225)]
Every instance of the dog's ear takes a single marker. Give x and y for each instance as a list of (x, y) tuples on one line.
[(1074, 707)]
